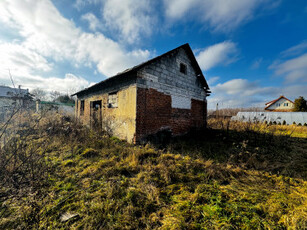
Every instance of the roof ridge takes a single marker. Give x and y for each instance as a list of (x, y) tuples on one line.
[(187, 48), (274, 101)]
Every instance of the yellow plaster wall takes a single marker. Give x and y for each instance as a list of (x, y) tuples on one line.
[(120, 119)]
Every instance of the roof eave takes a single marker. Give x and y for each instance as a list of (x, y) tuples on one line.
[(186, 47)]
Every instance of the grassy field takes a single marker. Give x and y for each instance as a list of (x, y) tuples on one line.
[(230, 176), (284, 130)]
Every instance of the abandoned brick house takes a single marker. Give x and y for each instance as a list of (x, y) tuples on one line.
[(166, 92)]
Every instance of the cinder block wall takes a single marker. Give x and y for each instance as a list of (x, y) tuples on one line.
[(169, 99)]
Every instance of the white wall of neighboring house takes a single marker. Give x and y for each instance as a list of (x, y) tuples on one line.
[(6, 91), (10, 98), (281, 104), (4, 101)]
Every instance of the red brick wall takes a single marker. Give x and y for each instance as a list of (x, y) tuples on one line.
[(154, 112)]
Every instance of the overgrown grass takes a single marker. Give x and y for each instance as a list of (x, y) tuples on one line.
[(276, 129), (214, 179), (248, 146)]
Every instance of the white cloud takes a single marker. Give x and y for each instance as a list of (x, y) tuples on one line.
[(240, 93), (47, 33), (294, 91), (222, 53), (241, 87), (19, 59), (127, 20), (293, 69), (108, 55), (212, 80), (295, 50), (224, 101), (43, 28), (79, 4), (92, 20), (221, 15), (23, 64), (130, 18), (256, 64), (69, 84), (293, 65)]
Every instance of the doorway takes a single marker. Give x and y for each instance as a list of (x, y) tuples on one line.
[(96, 116)]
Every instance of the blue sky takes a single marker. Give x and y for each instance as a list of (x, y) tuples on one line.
[(250, 51)]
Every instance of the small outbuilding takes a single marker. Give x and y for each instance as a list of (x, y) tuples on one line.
[(165, 93)]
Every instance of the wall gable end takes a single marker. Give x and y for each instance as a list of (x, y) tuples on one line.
[(165, 76)]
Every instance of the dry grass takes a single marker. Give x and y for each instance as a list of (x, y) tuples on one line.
[(214, 179), (286, 130)]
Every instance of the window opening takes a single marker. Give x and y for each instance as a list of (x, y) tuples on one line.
[(82, 108), (112, 100), (183, 68)]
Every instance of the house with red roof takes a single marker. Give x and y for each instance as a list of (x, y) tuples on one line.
[(281, 104)]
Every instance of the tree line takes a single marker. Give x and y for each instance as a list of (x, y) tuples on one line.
[(54, 96)]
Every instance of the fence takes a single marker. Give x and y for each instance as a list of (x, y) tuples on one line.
[(64, 108), (284, 118)]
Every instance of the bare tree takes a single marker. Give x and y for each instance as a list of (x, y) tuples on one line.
[(55, 95), (39, 94)]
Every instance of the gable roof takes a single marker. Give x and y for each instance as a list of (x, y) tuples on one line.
[(127, 72), (274, 101)]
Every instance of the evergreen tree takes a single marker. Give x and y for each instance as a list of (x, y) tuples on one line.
[(300, 105)]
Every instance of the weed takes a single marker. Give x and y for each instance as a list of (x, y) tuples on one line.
[(231, 176), (90, 152)]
